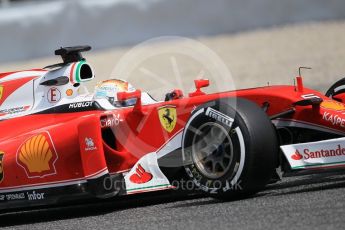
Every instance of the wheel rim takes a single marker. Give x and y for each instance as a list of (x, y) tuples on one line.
[(212, 150)]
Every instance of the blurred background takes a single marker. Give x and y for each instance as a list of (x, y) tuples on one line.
[(259, 40)]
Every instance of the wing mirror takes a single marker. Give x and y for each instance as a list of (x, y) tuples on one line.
[(200, 83), (123, 96)]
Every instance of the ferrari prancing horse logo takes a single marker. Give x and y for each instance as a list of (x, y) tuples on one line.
[(167, 117), (1, 91)]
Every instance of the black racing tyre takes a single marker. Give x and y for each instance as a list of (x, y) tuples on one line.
[(230, 148)]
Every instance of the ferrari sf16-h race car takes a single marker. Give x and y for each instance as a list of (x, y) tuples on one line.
[(58, 144)]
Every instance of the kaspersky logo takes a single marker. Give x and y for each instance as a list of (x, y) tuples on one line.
[(322, 153)]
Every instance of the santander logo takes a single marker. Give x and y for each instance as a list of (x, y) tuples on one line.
[(141, 176), (336, 151), (297, 156)]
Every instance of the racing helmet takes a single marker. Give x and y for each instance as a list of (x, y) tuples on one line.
[(109, 88)]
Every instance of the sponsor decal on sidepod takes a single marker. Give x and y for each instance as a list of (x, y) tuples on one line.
[(333, 119), (90, 144), (30, 196), (333, 105), (111, 120), (37, 156)]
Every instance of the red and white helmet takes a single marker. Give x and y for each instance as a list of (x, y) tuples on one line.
[(109, 88)]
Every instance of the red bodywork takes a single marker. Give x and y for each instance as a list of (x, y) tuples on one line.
[(69, 160)]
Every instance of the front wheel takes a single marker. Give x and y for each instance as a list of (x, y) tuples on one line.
[(229, 148)]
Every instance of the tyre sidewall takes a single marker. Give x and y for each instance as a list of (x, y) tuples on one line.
[(250, 174)]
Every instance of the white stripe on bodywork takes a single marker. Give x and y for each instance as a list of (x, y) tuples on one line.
[(22, 74), (175, 142), (100, 173)]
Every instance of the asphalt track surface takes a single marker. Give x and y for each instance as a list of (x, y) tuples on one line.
[(304, 202)]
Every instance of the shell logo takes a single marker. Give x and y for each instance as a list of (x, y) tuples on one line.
[(69, 92), (333, 105), (37, 156)]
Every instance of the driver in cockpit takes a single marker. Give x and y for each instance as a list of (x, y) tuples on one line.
[(109, 88)]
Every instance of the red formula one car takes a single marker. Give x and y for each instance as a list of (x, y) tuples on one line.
[(58, 144)]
